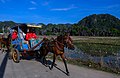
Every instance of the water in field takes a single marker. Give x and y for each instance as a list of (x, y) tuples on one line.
[(111, 61)]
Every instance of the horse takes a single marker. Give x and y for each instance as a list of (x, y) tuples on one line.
[(56, 46), (5, 42)]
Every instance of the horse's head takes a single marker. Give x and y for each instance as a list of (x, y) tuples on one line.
[(66, 40)]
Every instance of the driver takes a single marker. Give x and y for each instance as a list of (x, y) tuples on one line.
[(31, 35)]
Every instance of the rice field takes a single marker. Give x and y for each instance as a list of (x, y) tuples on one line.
[(101, 53)]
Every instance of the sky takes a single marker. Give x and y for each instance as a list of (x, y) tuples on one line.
[(55, 11)]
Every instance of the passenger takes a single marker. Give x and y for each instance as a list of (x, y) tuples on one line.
[(14, 35), (31, 35), (22, 37)]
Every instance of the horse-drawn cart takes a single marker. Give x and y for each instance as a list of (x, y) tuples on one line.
[(22, 47)]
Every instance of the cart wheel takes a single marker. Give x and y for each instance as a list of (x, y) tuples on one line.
[(16, 55)]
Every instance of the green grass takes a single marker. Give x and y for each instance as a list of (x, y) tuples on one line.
[(99, 46), (101, 40)]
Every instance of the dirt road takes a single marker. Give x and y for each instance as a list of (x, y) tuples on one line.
[(34, 69)]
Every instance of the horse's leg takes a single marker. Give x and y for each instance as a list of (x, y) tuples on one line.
[(63, 58), (45, 61), (8, 48), (42, 54), (44, 58), (54, 57)]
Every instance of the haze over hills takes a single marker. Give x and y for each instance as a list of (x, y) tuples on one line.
[(92, 25)]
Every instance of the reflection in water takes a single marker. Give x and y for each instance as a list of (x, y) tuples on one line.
[(108, 61)]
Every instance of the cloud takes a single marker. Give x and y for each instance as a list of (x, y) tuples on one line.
[(64, 9), (32, 8), (60, 9), (33, 2)]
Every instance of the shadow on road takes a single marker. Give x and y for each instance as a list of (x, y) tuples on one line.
[(61, 70), (49, 63), (3, 65)]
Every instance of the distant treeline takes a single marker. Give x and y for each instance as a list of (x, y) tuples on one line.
[(93, 25)]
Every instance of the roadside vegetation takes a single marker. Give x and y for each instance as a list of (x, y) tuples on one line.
[(101, 47)]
